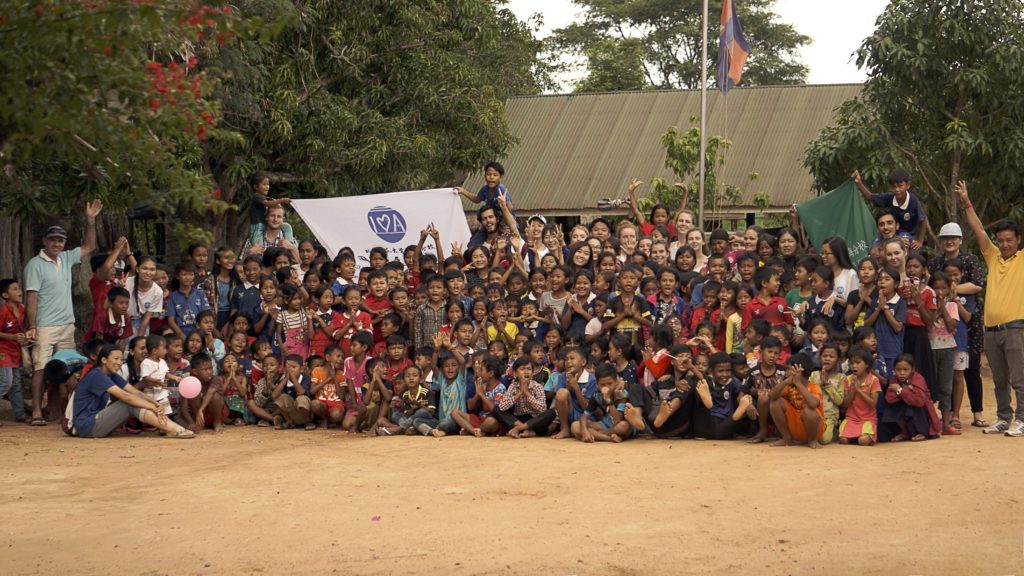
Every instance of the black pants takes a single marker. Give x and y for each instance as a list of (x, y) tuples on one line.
[(710, 427), (538, 424), (915, 343), (972, 379)]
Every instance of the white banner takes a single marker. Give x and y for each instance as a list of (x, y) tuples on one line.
[(392, 221)]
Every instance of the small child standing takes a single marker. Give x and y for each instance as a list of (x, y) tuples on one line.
[(941, 338), (154, 372), (293, 324), (12, 342), (861, 398)]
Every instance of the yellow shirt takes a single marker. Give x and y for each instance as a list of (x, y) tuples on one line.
[(1004, 295), (510, 341)]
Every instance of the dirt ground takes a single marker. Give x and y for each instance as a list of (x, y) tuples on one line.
[(256, 501)]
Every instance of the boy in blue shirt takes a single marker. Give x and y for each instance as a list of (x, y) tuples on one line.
[(905, 206), (572, 400)]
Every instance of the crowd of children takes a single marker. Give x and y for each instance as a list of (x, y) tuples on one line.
[(607, 333)]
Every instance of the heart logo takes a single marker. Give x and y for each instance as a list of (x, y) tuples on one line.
[(387, 223), (383, 223)]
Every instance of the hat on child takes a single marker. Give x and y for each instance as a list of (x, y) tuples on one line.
[(952, 229)]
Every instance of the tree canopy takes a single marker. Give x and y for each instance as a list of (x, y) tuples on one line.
[(105, 99), (175, 103), (944, 99), (638, 44)]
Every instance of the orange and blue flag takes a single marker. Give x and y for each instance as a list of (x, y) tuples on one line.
[(732, 48)]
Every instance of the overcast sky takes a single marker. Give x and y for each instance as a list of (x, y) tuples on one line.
[(836, 29)]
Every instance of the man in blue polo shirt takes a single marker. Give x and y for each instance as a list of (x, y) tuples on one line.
[(48, 308), (904, 205)]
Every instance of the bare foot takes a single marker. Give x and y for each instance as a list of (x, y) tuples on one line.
[(866, 440), (563, 433), (814, 444), (514, 433), (410, 431), (756, 439), (588, 439), (844, 440), (635, 419), (477, 433), (219, 429), (780, 442), (616, 438), (528, 434), (437, 433)]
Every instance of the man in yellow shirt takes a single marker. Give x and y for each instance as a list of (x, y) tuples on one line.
[(1004, 315)]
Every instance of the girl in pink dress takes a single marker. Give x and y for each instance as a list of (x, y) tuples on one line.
[(860, 401)]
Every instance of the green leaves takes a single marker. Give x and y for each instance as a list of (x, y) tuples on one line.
[(943, 100), (637, 44)]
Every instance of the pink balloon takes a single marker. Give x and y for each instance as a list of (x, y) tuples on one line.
[(190, 387)]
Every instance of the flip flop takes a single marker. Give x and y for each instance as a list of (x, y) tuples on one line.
[(899, 438), (181, 435), (37, 422), (979, 423)]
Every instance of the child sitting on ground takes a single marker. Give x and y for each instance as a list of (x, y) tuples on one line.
[(796, 405)]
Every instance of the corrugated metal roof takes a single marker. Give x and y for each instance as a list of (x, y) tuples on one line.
[(577, 148)]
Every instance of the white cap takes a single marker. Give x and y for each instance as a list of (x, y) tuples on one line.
[(951, 229)]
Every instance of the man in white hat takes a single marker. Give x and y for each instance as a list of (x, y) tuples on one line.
[(48, 306)]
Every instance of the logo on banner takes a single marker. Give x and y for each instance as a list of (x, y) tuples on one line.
[(386, 223)]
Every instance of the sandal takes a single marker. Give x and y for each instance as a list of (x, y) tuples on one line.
[(979, 423), (264, 424), (37, 422), (899, 438), (181, 435), (919, 438), (951, 431), (955, 423)]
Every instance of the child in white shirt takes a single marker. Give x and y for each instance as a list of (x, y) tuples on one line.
[(154, 372)]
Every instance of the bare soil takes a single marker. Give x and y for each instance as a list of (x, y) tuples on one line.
[(258, 501)]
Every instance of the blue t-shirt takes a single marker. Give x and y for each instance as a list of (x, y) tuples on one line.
[(723, 400), (247, 300), (890, 342), (91, 397), (489, 196), (970, 303), (908, 218), (184, 309)]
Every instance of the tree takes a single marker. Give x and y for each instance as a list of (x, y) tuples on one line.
[(660, 40), (944, 99), (104, 99), (371, 96), (682, 156)]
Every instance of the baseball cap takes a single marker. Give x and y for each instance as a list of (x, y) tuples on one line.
[(542, 219), (56, 231), (951, 229)]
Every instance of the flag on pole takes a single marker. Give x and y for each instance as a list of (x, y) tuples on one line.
[(732, 48), (842, 212)]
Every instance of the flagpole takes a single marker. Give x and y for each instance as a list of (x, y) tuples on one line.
[(703, 115)]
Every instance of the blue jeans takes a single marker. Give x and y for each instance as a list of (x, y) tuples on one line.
[(423, 421), (10, 386)]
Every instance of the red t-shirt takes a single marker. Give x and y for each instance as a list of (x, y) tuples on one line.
[(913, 312), (774, 311), (377, 304), (361, 323), (647, 229), (12, 321), (108, 329)]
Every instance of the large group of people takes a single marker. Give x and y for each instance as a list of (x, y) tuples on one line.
[(624, 327)]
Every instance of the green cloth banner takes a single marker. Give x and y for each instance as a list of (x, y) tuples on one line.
[(842, 212)]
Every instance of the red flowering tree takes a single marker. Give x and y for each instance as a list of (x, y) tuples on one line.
[(106, 99)]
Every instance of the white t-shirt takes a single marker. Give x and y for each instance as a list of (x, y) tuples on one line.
[(151, 300), (845, 283), (157, 370)]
